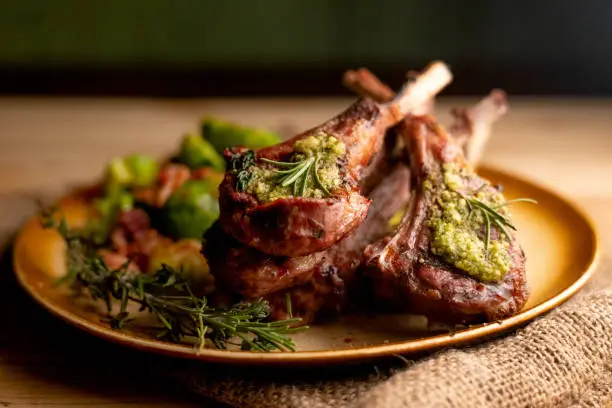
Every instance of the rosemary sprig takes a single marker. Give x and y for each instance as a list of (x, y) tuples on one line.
[(491, 214), (299, 175), (170, 299)]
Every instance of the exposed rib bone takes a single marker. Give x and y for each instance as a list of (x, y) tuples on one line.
[(472, 126), (420, 90), (365, 84)]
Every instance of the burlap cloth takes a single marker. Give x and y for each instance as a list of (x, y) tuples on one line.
[(563, 359)]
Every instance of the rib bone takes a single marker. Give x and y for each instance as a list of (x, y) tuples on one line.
[(472, 126)]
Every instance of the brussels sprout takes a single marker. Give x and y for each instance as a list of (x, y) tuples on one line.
[(215, 180), (210, 176), (132, 171), (143, 169), (223, 134), (109, 204), (107, 208), (118, 172), (189, 211), (196, 152)]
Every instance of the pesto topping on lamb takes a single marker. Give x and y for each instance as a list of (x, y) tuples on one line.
[(312, 171), (469, 229)]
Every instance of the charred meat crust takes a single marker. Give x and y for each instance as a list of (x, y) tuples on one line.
[(251, 273), (442, 292), (324, 296), (358, 127), (291, 226), (381, 163), (447, 294)]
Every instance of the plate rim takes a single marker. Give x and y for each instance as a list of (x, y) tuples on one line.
[(336, 355)]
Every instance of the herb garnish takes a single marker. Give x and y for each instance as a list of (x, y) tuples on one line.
[(170, 299), (299, 174), (240, 163), (492, 216)]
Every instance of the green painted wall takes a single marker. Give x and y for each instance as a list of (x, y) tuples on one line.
[(216, 33), (564, 43)]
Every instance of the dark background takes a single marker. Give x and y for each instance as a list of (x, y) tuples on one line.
[(194, 48)]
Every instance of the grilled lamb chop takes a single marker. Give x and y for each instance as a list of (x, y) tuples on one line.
[(253, 274), (472, 126), (455, 257), (319, 202)]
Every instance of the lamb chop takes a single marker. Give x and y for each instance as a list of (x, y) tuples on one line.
[(252, 274), (455, 257), (303, 195), (472, 126)]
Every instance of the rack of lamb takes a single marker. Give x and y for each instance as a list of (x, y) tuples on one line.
[(306, 224)]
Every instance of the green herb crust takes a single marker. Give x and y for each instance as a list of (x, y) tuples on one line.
[(312, 171), (469, 229)]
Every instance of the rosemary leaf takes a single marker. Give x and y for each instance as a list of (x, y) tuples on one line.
[(487, 231), (315, 172), (300, 171), (516, 200), (491, 214), (503, 229), (287, 165), (299, 175), (304, 186), (288, 306)]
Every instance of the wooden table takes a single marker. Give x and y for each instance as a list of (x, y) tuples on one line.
[(49, 145)]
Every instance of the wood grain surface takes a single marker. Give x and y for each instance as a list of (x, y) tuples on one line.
[(49, 145)]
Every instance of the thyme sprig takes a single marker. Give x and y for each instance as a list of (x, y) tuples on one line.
[(491, 214), (170, 299), (299, 174)]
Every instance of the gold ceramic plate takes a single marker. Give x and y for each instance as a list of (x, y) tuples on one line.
[(559, 240)]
